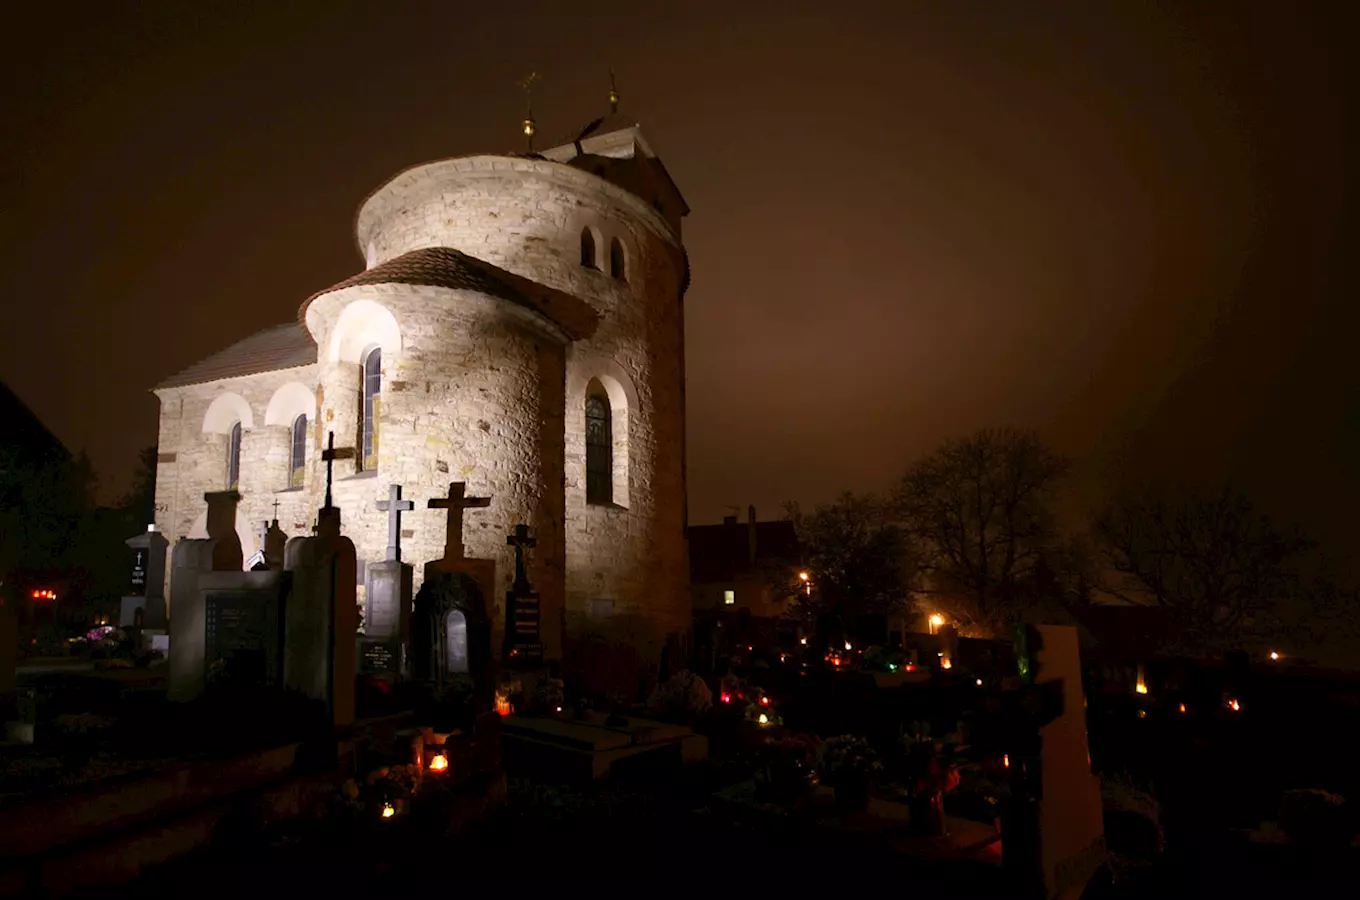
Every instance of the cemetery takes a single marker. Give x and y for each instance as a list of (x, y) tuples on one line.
[(281, 725)]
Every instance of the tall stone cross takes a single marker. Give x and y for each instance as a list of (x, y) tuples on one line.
[(330, 455), (521, 541), (455, 503), (394, 506)]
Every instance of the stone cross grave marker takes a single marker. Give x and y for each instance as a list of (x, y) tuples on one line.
[(522, 605), (455, 503), (521, 541), (394, 506), (330, 455)]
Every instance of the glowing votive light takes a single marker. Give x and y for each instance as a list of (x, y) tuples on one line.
[(764, 719), (946, 663), (1181, 708), (803, 576), (1234, 705), (439, 763), (803, 641), (388, 811), (1006, 760), (1274, 656), (979, 682), (936, 620), (1140, 688), (847, 645)]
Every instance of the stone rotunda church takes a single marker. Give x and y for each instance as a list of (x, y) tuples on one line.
[(518, 326)]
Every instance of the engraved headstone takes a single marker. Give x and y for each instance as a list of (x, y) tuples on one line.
[(320, 623)]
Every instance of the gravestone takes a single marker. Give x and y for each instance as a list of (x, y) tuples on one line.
[(523, 645), (321, 617), (450, 626), (221, 525), (1057, 840), (190, 560), (146, 584), (242, 627), (387, 598)]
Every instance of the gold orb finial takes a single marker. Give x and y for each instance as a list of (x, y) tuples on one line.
[(613, 94), (528, 125)]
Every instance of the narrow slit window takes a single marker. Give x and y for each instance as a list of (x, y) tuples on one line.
[(297, 455), (588, 249), (234, 458), (372, 387), (599, 450), (616, 262)]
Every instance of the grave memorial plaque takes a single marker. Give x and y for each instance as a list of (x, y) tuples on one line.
[(137, 583), (379, 657), (241, 635)]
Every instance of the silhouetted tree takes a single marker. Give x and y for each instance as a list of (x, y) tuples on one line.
[(979, 510), (1222, 569), (855, 556)]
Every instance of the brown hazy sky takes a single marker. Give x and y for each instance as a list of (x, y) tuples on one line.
[(1122, 223)]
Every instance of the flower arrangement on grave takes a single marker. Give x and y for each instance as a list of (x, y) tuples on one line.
[(931, 771), (786, 769), (549, 697), (683, 696), (849, 765), (760, 710), (1317, 818), (387, 791)]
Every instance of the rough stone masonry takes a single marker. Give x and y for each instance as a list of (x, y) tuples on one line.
[(499, 291)]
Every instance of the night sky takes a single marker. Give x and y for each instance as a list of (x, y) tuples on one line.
[(1125, 228)]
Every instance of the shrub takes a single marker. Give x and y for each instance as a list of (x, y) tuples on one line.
[(683, 695)]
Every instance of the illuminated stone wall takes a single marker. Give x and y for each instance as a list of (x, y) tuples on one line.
[(474, 391)]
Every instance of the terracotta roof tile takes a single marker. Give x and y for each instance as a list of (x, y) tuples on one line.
[(277, 347), (448, 268)]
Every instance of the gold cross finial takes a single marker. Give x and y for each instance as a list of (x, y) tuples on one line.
[(528, 85), (613, 94)]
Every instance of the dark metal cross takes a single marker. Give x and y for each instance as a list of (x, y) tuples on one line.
[(521, 541), (276, 509), (330, 455), (455, 503), (394, 506)]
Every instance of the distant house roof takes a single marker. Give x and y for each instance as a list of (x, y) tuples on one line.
[(722, 553), (25, 436), (277, 347), (448, 268)]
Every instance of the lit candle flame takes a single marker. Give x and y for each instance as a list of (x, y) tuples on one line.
[(439, 763), (388, 811)]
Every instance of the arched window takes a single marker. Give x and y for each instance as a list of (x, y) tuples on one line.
[(234, 458), (587, 248), (616, 260), (297, 453), (599, 448), (369, 425)]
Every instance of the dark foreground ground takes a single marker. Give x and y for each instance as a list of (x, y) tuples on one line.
[(663, 840)]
